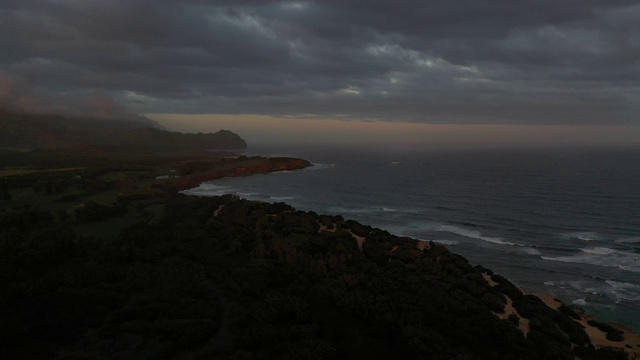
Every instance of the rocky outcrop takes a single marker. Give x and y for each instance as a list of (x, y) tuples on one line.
[(253, 167)]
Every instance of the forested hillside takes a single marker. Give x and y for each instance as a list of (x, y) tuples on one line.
[(233, 279)]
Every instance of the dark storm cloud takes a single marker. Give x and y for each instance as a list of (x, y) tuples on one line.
[(468, 61)]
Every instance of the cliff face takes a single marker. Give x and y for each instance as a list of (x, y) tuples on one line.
[(248, 168)]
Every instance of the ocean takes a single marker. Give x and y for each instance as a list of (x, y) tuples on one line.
[(558, 220)]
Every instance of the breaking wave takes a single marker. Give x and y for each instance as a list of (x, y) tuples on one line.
[(474, 235), (629, 240), (617, 291), (602, 257)]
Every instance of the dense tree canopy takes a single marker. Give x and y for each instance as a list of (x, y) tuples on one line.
[(233, 279)]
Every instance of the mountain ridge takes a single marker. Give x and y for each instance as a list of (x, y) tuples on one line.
[(33, 131)]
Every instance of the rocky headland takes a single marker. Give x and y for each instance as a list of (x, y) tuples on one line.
[(251, 166)]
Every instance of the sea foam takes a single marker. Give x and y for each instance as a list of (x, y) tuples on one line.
[(209, 189), (583, 235), (445, 242), (474, 235), (602, 257), (625, 291), (579, 302), (601, 291), (321, 166)]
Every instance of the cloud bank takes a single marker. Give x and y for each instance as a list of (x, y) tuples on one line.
[(462, 62), (17, 95)]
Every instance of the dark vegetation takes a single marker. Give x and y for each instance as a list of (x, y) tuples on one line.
[(226, 278), (102, 258), (613, 334)]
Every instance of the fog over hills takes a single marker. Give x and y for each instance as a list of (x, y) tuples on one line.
[(29, 131)]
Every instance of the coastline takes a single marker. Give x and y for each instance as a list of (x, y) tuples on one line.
[(631, 343), (353, 266), (252, 166), (598, 337), (479, 221)]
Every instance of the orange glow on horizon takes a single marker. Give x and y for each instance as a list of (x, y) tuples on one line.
[(271, 129)]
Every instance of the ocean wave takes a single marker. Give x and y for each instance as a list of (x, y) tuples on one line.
[(318, 166), (437, 241), (602, 257), (553, 284), (208, 189), (598, 290), (582, 235), (474, 235), (579, 302), (629, 240), (464, 223), (592, 287), (625, 291), (247, 193), (345, 210), (368, 210), (445, 242), (598, 251), (208, 186), (282, 197)]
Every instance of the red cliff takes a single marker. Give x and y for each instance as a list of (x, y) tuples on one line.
[(246, 168)]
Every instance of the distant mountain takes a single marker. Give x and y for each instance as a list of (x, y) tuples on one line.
[(29, 131)]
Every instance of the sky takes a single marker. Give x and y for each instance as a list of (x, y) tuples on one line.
[(332, 65)]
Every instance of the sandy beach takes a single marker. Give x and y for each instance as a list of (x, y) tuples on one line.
[(630, 344)]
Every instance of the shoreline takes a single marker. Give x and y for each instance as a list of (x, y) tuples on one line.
[(630, 344), (597, 336), (330, 251), (254, 165)]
